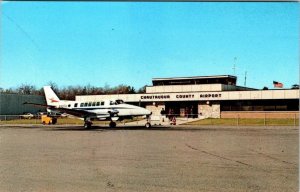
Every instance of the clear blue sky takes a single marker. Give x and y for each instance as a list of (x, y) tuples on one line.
[(129, 43)]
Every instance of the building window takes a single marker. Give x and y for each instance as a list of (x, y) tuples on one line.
[(261, 105)]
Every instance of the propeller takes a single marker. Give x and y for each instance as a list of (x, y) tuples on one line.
[(113, 112)]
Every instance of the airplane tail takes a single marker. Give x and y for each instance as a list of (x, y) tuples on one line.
[(51, 97)]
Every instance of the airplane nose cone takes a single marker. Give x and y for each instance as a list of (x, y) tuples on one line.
[(146, 111)]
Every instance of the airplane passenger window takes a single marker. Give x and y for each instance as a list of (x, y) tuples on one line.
[(98, 104), (81, 104), (75, 104), (69, 105), (94, 104), (90, 104), (102, 102), (85, 104)]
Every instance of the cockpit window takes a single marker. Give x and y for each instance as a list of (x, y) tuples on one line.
[(112, 103), (119, 101)]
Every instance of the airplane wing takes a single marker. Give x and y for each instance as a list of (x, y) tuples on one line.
[(37, 104), (84, 113), (75, 112)]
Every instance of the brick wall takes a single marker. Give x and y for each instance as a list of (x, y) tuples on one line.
[(260, 114)]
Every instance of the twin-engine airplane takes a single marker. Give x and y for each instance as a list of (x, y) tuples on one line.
[(112, 110)]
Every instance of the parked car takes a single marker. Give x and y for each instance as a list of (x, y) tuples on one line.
[(27, 116), (41, 113), (64, 115)]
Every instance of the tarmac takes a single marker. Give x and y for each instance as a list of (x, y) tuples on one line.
[(162, 158)]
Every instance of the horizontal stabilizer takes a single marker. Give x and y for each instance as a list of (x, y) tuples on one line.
[(38, 104)]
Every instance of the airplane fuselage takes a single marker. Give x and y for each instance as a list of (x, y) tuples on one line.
[(104, 108), (112, 110)]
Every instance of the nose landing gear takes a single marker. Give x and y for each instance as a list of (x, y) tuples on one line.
[(148, 124)]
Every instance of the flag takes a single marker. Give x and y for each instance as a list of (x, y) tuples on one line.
[(277, 84)]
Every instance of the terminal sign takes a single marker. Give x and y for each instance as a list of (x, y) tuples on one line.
[(210, 95), (185, 96), (155, 97), (181, 96)]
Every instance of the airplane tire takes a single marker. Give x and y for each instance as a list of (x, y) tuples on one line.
[(112, 124), (147, 125), (54, 120), (87, 125)]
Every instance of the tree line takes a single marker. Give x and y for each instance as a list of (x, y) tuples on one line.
[(69, 92)]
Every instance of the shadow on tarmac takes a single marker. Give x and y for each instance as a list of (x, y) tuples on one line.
[(183, 128), (126, 128)]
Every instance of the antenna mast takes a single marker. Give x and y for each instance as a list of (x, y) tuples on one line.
[(245, 79), (234, 66)]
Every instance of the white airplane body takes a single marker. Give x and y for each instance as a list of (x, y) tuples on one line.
[(112, 110)]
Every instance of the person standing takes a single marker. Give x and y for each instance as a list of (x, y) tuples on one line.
[(163, 114)]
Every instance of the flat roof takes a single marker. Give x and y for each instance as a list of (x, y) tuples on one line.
[(212, 79), (194, 77)]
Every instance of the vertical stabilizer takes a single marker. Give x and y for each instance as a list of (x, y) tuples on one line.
[(51, 97)]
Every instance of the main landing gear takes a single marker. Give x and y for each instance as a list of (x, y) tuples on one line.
[(112, 124), (87, 123)]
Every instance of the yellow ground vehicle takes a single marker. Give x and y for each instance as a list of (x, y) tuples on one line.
[(47, 120)]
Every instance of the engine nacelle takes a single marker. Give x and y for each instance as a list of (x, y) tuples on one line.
[(114, 118)]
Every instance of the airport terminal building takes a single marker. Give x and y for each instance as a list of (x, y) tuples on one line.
[(208, 96)]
